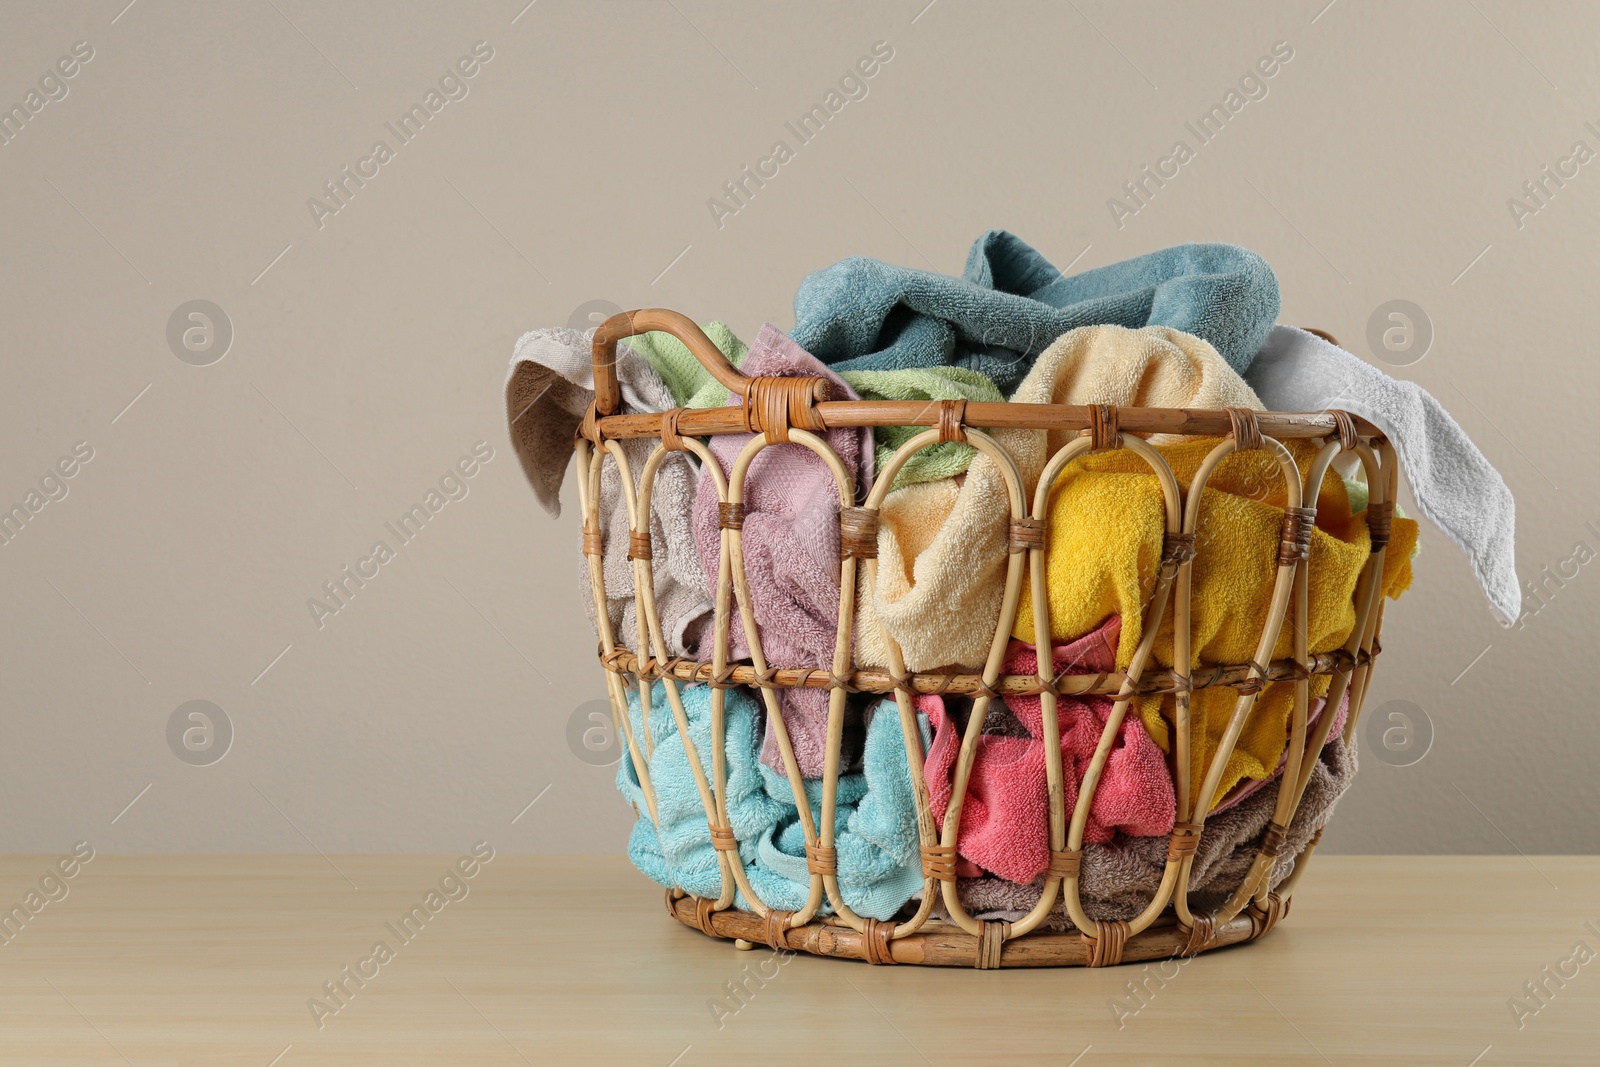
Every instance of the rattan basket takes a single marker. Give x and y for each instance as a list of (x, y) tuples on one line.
[(796, 410)]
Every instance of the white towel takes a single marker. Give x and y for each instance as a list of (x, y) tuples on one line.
[(547, 393), (1455, 487)]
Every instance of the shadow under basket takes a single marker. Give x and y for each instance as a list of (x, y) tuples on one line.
[(796, 410)]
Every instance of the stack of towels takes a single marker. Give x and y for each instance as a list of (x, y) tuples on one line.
[(1187, 327)]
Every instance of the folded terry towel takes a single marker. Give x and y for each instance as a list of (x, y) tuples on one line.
[(1120, 877), (1090, 575), (1010, 303), (1455, 487), (1005, 819), (942, 548), (921, 383), (549, 389), (791, 546), (875, 821)]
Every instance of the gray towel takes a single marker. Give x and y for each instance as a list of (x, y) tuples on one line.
[(547, 393), (1120, 877), (1455, 487)]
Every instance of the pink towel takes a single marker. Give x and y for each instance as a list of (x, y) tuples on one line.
[(1005, 821), (791, 546)]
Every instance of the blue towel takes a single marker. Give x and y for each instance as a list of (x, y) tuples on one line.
[(875, 828), (1011, 303)]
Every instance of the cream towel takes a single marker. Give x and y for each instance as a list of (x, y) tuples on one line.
[(942, 548)]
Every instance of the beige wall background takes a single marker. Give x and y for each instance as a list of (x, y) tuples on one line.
[(368, 349)]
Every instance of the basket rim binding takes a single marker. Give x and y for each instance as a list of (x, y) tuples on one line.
[(796, 410)]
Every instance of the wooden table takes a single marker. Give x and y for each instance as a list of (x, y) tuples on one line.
[(217, 960)]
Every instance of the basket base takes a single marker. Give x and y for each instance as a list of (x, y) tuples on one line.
[(940, 944)]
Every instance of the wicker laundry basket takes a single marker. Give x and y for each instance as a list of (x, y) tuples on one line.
[(797, 410)]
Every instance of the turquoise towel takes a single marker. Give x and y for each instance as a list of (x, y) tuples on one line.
[(875, 824), (1010, 304)]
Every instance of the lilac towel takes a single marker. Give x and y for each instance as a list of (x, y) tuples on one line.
[(791, 546)]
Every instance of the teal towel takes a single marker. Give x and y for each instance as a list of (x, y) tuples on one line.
[(875, 820), (1011, 303)]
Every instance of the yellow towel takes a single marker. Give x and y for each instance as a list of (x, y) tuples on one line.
[(1105, 530), (942, 548)]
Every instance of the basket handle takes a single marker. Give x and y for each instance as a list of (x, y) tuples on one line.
[(607, 391)]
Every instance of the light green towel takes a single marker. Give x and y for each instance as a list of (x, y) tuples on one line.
[(921, 383), (692, 386)]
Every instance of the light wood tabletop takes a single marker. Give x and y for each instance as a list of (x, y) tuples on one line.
[(229, 960)]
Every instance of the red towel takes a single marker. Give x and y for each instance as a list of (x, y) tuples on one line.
[(1005, 821)]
